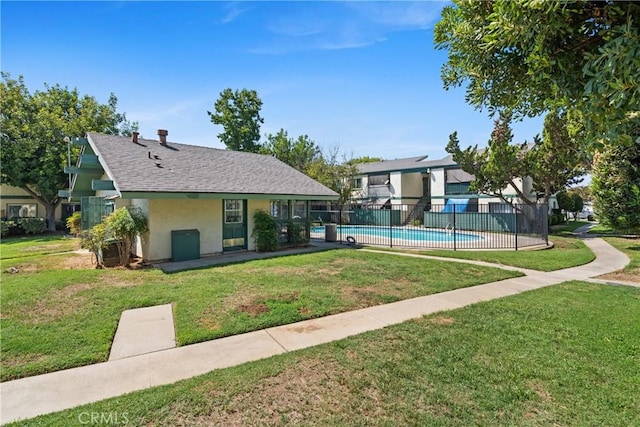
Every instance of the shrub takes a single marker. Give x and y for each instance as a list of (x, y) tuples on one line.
[(265, 231), (6, 227), (74, 223), (95, 240), (124, 225), (297, 233), (33, 225), (417, 222)]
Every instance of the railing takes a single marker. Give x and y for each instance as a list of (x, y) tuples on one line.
[(293, 232), (451, 228)]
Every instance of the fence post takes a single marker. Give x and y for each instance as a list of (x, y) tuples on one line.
[(454, 227), (516, 226), (340, 222), (390, 226)]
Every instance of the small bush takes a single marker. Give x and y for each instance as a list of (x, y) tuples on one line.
[(265, 231), (417, 222), (74, 223), (7, 227), (33, 225), (95, 240)]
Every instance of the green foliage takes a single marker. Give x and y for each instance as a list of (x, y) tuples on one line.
[(32, 225), (565, 201), (558, 159), (556, 218), (579, 54), (265, 231), (6, 227), (552, 162), (74, 223), (298, 153), (336, 175), (95, 240), (239, 114), (364, 159), (616, 183), (496, 167), (417, 222), (124, 225), (297, 232), (34, 127)]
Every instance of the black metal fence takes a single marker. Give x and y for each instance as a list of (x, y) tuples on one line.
[(447, 226)]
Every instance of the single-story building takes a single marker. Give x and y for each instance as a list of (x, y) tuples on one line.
[(186, 189)]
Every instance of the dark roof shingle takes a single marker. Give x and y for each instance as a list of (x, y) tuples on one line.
[(148, 166)]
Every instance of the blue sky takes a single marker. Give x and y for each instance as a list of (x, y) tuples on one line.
[(363, 76)]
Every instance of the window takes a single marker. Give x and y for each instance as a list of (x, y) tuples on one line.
[(500, 208), (356, 183), (233, 211), (299, 209), (280, 209), (24, 210), (379, 179)]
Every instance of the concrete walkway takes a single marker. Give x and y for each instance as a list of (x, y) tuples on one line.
[(32, 396), (143, 330)]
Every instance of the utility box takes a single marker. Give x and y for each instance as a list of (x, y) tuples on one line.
[(330, 232), (185, 245)]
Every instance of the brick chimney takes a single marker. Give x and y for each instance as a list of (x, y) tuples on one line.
[(134, 137), (162, 135)]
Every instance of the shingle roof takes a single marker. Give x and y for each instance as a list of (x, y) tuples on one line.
[(148, 166), (404, 164)]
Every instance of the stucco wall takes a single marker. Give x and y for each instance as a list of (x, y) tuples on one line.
[(437, 183), (205, 215), (395, 187), (165, 215)]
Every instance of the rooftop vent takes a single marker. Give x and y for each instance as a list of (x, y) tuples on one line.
[(162, 135), (134, 137)]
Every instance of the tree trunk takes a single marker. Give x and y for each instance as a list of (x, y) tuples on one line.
[(50, 216), (49, 206)]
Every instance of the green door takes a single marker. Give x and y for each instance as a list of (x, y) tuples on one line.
[(234, 227)]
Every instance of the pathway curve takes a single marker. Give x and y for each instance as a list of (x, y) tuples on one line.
[(32, 396)]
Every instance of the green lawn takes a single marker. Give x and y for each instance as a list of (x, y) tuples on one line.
[(566, 355), (57, 316), (567, 252), (631, 247), (20, 247)]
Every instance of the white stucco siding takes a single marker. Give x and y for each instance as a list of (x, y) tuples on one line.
[(437, 183), (395, 187), (166, 215)]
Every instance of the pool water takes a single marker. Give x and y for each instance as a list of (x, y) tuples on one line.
[(416, 234)]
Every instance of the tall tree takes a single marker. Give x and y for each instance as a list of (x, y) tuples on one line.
[(558, 159), (298, 153), (552, 162), (497, 167), (34, 127), (239, 114), (615, 186), (333, 173), (533, 56)]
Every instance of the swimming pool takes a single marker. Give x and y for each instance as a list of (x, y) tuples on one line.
[(363, 233)]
